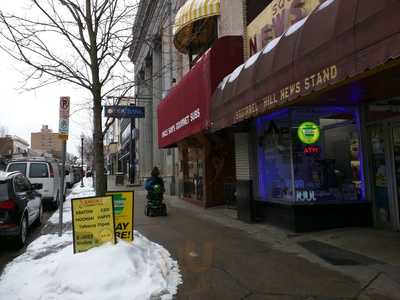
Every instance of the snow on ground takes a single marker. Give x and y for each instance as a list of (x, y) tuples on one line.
[(76, 192), (49, 270)]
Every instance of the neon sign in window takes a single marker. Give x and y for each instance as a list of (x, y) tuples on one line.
[(308, 133)]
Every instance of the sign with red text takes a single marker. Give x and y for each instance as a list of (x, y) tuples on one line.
[(92, 222), (63, 126)]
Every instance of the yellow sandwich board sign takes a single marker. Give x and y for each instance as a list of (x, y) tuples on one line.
[(92, 222), (123, 211)]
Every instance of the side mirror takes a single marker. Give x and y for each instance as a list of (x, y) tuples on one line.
[(36, 186)]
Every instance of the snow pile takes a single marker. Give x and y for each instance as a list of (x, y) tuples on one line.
[(49, 270)]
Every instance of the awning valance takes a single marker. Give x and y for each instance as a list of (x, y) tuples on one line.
[(186, 109), (190, 13), (339, 41)]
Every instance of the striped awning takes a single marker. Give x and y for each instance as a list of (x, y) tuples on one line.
[(192, 11)]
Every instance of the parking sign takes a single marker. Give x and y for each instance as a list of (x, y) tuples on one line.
[(64, 117)]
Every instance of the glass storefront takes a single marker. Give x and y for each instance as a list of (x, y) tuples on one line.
[(383, 128), (310, 156), (193, 172)]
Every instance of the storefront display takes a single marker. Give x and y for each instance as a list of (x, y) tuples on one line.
[(193, 173), (275, 144), (310, 156)]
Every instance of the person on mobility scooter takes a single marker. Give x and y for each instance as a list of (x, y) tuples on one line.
[(155, 191)]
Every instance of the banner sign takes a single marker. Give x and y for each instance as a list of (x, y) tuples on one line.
[(123, 212), (63, 126), (288, 93), (185, 121), (124, 111), (92, 222)]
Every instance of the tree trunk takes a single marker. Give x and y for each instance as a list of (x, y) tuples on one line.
[(101, 178)]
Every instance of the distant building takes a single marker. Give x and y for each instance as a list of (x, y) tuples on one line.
[(11, 145), (46, 141)]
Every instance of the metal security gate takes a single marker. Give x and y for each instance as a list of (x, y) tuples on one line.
[(242, 156)]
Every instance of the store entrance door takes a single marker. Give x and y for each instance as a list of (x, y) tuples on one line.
[(384, 140)]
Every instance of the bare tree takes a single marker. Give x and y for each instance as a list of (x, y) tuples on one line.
[(82, 42)]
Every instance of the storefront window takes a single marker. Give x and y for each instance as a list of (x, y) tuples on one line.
[(193, 173), (326, 156), (275, 144), (309, 156)]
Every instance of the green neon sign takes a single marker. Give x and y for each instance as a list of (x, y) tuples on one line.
[(308, 133)]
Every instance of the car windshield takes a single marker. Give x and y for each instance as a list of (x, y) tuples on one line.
[(21, 167), (3, 190)]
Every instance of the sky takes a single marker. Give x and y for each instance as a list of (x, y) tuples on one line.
[(23, 112)]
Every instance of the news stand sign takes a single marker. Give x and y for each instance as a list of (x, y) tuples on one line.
[(124, 111), (63, 126), (99, 220)]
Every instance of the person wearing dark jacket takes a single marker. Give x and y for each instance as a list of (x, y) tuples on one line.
[(155, 191), (154, 180)]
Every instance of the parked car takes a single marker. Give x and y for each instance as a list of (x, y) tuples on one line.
[(69, 177), (77, 172), (20, 206), (41, 170)]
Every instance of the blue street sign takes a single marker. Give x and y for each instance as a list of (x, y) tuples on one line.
[(124, 111)]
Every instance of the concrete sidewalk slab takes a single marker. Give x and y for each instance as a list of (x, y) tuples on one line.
[(220, 262)]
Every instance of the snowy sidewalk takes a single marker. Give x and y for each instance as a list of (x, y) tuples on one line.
[(49, 269)]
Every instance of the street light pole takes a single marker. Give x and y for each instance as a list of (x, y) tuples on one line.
[(82, 137)]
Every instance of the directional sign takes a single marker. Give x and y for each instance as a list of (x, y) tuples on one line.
[(124, 111), (63, 127)]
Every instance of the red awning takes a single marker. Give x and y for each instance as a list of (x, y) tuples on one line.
[(186, 109), (339, 40)]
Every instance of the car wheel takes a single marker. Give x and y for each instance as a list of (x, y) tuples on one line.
[(39, 219), (23, 232)]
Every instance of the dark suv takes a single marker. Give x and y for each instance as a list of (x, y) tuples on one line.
[(20, 206)]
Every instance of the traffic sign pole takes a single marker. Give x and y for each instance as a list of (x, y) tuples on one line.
[(63, 135), (61, 199)]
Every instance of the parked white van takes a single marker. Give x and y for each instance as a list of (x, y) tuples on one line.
[(40, 170)]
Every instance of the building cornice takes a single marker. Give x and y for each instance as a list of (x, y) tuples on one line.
[(141, 26)]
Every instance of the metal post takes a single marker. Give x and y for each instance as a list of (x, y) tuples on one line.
[(61, 198), (130, 153), (82, 137)]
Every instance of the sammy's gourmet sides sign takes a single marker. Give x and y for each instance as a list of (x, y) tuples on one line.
[(93, 222)]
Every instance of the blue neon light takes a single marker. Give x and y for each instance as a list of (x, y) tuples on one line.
[(361, 156)]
